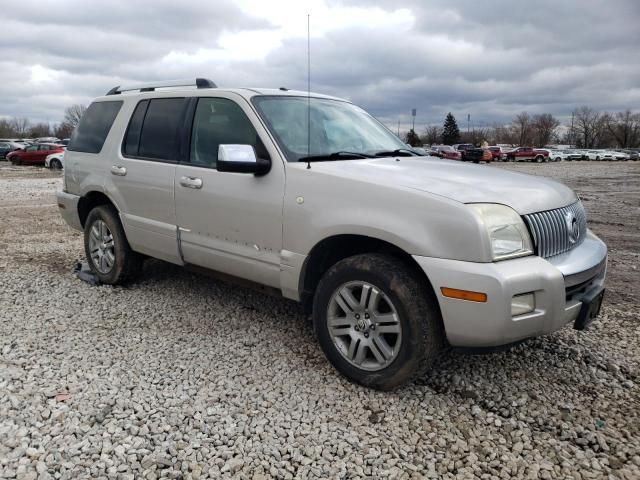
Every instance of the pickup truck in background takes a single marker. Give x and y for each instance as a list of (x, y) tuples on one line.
[(528, 154), (471, 153), (446, 151)]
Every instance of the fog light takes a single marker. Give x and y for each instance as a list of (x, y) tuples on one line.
[(521, 304)]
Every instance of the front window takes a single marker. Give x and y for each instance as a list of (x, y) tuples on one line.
[(337, 128)]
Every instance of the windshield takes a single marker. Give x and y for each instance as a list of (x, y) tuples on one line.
[(336, 126)]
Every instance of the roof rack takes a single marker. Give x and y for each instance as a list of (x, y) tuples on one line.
[(150, 87)]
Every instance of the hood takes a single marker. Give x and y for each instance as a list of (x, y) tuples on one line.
[(460, 181)]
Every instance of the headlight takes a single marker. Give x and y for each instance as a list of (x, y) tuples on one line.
[(508, 235)]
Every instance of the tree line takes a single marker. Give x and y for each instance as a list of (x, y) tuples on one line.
[(21, 127), (587, 128)]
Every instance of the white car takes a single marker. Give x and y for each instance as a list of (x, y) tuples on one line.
[(55, 161), (557, 155), (620, 155)]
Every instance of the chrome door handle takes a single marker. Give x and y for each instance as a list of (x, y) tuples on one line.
[(118, 170), (191, 182)]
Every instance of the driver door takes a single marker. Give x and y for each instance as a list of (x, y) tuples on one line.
[(229, 222)]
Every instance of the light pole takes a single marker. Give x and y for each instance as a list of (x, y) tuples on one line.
[(413, 122)]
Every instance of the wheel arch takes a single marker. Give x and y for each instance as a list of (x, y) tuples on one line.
[(89, 201), (331, 250)]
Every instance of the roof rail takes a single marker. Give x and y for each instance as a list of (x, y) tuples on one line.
[(150, 87)]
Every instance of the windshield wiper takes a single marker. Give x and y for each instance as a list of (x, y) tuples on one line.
[(342, 155), (405, 152)]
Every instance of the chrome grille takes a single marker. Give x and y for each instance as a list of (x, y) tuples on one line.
[(551, 230)]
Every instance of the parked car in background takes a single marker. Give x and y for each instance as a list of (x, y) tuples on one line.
[(446, 151), (34, 154), (497, 154), (620, 155), (528, 154), (8, 147), (55, 161), (557, 155), (55, 140), (633, 154), (574, 155), (64, 141), (471, 153)]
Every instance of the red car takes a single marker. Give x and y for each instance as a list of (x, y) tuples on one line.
[(34, 154), (446, 151)]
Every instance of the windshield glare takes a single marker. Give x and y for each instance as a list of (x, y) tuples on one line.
[(336, 126)]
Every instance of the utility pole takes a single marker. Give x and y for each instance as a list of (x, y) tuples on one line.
[(398, 128), (468, 122), (413, 115)]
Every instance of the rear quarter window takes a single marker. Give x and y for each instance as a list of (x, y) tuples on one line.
[(90, 135)]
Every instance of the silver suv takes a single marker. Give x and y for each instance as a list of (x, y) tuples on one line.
[(396, 255)]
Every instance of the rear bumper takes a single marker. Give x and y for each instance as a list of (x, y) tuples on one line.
[(68, 206), (559, 285)]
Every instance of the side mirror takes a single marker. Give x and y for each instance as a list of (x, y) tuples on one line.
[(241, 159)]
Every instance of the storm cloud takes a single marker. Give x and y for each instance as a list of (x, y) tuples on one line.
[(488, 59)]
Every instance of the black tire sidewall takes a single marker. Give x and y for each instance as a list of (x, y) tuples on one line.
[(411, 306), (120, 246)]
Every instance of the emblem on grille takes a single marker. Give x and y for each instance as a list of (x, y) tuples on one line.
[(573, 229)]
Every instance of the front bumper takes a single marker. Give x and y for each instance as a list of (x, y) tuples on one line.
[(559, 285), (68, 206)]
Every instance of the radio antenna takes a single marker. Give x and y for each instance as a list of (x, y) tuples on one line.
[(308, 91)]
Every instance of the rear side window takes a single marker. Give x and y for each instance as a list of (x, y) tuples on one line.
[(94, 127), (160, 129), (132, 140)]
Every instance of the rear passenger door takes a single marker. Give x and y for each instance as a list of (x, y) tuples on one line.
[(229, 222), (141, 177)]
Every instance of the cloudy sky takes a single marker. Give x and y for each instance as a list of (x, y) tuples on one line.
[(491, 59)]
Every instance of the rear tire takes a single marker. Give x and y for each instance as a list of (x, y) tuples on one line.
[(108, 252), (539, 159), (55, 164), (380, 291)]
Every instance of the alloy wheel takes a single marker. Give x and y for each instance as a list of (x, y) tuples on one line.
[(101, 247), (364, 325)]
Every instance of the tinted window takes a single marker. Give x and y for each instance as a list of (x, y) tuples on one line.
[(220, 121), (33, 148), (90, 134), (159, 136), (132, 140)]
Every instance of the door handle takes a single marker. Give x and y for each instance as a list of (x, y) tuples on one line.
[(191, 182), (118, 170)]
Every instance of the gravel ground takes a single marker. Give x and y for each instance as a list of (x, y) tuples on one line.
[(182, 376)]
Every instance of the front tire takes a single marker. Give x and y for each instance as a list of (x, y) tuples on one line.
[(377, 321), (108, 252), (55, 164)]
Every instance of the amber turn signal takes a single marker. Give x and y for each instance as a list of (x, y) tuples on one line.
[(464, 294)]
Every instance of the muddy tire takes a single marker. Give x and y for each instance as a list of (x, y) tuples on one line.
[(377, 321), (108, 252)]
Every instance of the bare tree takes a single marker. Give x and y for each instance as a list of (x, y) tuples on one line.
[(624, 127), (588, 126), (73, 114), (20, 126), (522, 129), (544, 128), (41, 129), (63, 130), (431, 135)]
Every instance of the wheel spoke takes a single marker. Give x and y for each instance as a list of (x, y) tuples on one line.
[(361, 353), (374, 299), (334, 322), (393, 328), (348, 297), (364, 296), (109, 258), (352, 348), (95, 232), (381, 349), (381, 318)]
